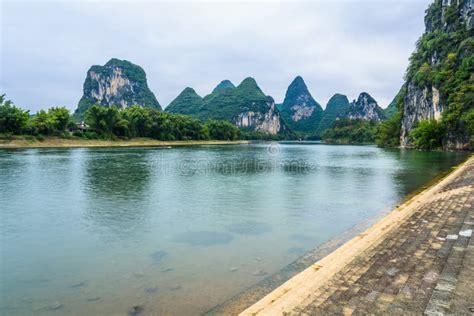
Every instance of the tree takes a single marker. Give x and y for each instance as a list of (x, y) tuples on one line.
[(222, 130), (60, 117), (427, 135), (43, 123), (12, 119), (106, 121), (139, 120), (388, 132)]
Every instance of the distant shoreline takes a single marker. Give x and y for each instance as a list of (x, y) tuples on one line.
[(56, 142)]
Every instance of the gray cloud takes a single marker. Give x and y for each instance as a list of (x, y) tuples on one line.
[(337, 46)]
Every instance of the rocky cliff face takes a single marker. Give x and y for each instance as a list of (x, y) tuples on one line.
[(420, 104), (268, 122), (439, 77), (119, 83), (299, 109), (365, 108)]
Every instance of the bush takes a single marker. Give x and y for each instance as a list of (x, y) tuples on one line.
[(427, 135), (222, 130), (388, 132), (12, 119), (347, 131)]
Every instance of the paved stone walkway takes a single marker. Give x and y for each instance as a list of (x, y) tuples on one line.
[(423, 266)]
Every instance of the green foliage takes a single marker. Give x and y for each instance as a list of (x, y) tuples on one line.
[(222, 130), (224, 84), (427, 135), (346, 131), (224, 103), (444, 58), (388, 132), (336, 107), (42, 123), (188, 102), (135, 121), (12, 119), (106, 121), (256, 135), (393, 108)]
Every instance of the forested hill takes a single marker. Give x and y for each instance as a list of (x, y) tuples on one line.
[(436, 103)]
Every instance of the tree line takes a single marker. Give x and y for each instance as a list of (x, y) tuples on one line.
[(111, 123)]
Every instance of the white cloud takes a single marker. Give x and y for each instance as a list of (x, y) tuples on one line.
[(337, 46)]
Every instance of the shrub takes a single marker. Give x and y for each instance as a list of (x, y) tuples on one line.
[(427, 135)]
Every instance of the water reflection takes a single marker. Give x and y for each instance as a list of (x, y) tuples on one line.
[(115, 188)]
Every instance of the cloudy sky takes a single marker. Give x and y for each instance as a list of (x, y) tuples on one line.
[(337, 46)]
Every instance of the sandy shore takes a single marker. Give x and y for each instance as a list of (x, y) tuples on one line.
[(303, 289), (53, 142)]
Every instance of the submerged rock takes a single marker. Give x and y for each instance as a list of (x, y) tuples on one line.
[(77, 285), (139, 274), (175, 287), (136, 310), (151, 289), (259, 273), (159, 255), (55, 306), (93, 299)]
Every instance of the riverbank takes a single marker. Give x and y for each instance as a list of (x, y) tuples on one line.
[(54, 142), (410, 261)]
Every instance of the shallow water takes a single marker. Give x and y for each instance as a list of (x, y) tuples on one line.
[(176, 231)]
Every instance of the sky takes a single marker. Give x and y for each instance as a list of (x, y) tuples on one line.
[(337, 46)]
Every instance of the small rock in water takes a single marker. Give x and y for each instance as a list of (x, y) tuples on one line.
[(167, 270), (76, 285), (93, 299), (151, 289), (55, 306), (259, 273), (157, 256), (136, 310), (233, 269), (175, 287), (139, 274)]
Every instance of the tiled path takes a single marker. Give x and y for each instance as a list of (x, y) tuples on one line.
[(420, 260)]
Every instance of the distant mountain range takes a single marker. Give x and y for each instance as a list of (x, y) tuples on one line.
[(122, 83)]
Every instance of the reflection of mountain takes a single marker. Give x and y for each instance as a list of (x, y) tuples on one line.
[(115, 188)]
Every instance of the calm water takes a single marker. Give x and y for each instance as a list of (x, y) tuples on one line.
[(178, 230)]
